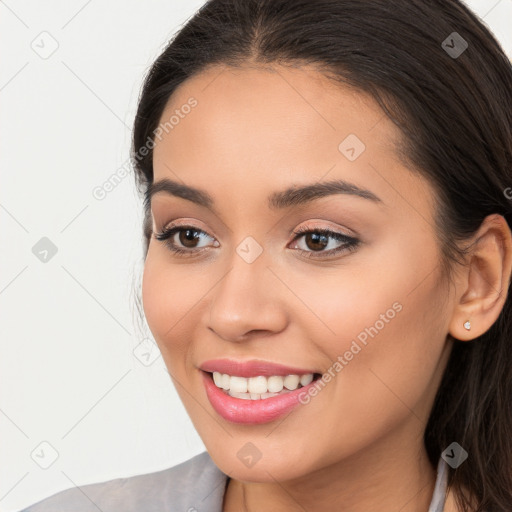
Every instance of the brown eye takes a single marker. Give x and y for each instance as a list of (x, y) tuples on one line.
[(188, 237), (316, 241), (187, 240)]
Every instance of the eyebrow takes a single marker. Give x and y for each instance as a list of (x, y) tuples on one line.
[(292, 196)]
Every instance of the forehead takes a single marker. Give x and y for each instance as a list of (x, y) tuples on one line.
[(255, 128), (281, 106)]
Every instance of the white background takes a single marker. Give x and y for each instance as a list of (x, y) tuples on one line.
[(68, 372)]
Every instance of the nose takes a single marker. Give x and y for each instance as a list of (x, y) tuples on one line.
[(248, 300)]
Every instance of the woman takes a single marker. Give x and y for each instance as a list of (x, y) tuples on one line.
[(328, 259)]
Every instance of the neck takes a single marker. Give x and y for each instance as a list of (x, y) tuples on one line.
[(402, 479)]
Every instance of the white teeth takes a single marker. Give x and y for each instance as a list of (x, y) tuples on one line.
[(257, 384), (253, 396), (224, 383), (243, 396), (291, 382), (256, 388), (217, 378), (238, 384), (275, 383), (306, 379)]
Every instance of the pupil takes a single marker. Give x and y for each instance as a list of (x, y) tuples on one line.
[(186, 236), (316, 237)]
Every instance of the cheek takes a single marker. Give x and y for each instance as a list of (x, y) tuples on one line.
[(380, 323), (154, 299), (387, 298), (169, 296), (390, 379)]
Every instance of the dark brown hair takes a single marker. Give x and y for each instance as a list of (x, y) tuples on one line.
[(451, 96)]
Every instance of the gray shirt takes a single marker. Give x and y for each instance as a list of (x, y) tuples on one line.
[(196, 485)]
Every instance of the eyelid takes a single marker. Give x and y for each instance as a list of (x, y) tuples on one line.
[(348, 242), (185, 222), (302, 229), (324, 225)]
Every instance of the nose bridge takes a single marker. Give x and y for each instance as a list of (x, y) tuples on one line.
[(247, 297)]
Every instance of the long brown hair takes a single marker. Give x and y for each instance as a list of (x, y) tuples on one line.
[(442, 78)]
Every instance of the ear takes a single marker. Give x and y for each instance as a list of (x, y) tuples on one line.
[(485, 280)]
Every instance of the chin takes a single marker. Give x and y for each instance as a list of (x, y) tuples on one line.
[(268, 470)]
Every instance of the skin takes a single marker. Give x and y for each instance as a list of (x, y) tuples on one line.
[(358, 445)]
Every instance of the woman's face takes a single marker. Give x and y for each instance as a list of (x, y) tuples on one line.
[(368, 308)]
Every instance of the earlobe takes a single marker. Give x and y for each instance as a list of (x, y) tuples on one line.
[(484, 283)]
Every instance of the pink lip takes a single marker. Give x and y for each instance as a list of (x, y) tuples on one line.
[(238, 410), (251, 368)]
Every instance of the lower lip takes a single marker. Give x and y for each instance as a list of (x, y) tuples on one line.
[(238, 410)]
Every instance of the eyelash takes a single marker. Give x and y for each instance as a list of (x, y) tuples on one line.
[(350, 243)]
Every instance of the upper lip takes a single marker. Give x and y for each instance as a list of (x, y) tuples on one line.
[(251, 368)]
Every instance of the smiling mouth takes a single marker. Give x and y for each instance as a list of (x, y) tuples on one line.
[(260, 387)]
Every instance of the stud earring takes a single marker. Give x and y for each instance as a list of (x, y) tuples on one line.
[(467, 325)]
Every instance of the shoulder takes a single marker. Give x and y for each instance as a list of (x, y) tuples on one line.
[(196, 484)]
